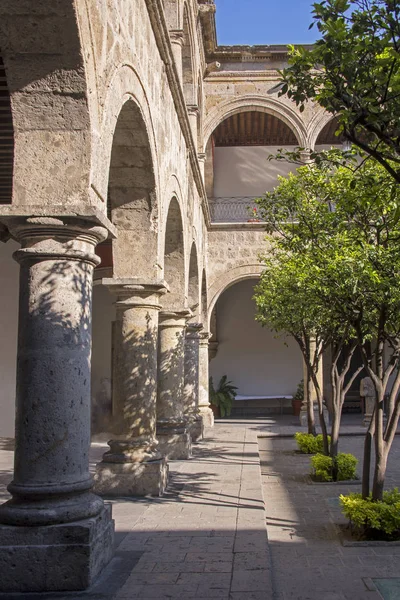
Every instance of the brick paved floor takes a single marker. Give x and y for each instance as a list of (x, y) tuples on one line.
[(207, 537), (309, 561)]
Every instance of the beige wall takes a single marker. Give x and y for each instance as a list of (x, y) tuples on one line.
[(249, 354), (9, 285), (103, 315), (246, 171)]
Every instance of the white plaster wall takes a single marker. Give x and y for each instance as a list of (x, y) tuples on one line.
[(246, 171), (249, 354), (103, 316), (9, 286)]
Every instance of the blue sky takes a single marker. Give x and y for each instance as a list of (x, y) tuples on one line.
[(265, 22)]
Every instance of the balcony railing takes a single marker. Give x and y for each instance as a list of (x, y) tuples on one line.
[(233, 209)]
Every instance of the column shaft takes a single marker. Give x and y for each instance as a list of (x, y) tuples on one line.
[(133, 466), (191, 383), (204, 403), (52, 485), (172, 431)]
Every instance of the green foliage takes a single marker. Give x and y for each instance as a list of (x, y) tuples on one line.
[(340, 468), (223, 396), (299, 395), (346, 466), (322, 467), (353, 72), (382, 516), (309, 443)]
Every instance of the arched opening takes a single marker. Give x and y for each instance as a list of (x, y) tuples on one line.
[(131, 200), (187, 60), (237, 166), (132, 208), (327, 136), (174, 258), (193, 283), (258, 362), (6, 139)]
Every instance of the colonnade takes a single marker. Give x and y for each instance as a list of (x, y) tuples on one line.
[(160, 403)]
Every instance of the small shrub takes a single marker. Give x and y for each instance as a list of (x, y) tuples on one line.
[(322, 466), (309, 443), (374, 519), (342, 468), (346, 466)]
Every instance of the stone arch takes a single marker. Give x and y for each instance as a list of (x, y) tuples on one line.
[(43, 57), (187, 58), (193, 282), (318, 123), (252, 271), (125, 83), (132, 198), (174, 258), (248, 103)]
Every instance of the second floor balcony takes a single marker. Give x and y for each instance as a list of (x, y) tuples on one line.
[(234, 209)]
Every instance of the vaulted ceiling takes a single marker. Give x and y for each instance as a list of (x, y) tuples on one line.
[(254, 128)]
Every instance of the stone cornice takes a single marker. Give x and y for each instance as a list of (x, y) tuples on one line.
[(160, 30)]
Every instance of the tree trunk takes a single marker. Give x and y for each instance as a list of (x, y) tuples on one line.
[(310, 408), (380, 453), (367, 459)]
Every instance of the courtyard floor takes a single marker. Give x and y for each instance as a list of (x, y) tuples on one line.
[(230, 530)]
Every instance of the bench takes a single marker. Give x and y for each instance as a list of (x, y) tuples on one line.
[(260, 400)]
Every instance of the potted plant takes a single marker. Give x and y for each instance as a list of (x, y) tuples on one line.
[(254, 216), (221, 399), (298, 398)]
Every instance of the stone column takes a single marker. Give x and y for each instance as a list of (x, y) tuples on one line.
[(134, 466), (191, 387), (202, 157), (57, 532), (172, 427), (177, 38), (204, 403), (193, 112)]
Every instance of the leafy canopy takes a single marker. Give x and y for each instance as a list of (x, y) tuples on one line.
[(353, 72)]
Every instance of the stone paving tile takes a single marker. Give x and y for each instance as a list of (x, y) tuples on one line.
[(303, 537)]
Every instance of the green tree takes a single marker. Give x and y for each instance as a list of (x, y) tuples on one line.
[(339, 233), (353, 72), (294, 294)]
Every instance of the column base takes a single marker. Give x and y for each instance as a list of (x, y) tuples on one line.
[(60, 558), (196, 429), (174, 445), (148, 478), (207, 415)]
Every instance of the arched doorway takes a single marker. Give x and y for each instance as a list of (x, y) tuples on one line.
[(258, 362)]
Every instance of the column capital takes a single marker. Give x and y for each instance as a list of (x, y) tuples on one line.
[(177, 36), (56, 238), (192, 109), (193, 330), (134, 291), (175, 318), (204, 338)]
